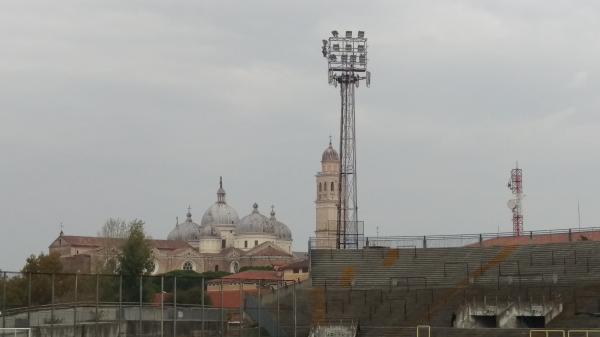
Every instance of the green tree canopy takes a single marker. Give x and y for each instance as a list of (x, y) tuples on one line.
[(136, 256), (43, 264)]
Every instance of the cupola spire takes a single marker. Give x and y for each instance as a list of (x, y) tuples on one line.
[(189, 214), (221, 192)]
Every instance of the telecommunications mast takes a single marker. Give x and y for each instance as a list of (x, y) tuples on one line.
[(347, 64), (515, 184)]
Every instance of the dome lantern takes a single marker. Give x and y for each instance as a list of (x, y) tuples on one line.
[(330, 154), (220, 213)]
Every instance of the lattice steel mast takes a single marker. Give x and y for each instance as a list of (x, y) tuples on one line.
[(347, 65), (515, 184)]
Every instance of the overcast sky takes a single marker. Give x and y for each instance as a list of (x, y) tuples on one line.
[(134, 109)]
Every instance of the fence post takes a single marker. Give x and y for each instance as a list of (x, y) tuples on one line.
[(295, 310), (175, 306), (162, 305), (277, 294), (75, 305), (202, 310), (141, 299), (259, 300), (97, 302), (28, 300), (241, 305), (222, 312), (4, 300), (51, 305), (120, 303)]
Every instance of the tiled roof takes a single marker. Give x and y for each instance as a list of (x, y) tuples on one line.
[(95, 241), (296, 265), (266, 249), (541, 239), (169, 244), (256, 275)]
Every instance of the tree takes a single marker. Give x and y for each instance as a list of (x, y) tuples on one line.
[(189, 285), (113, 233), (39, 270), (136, 256), (43, 264), (135, 260)]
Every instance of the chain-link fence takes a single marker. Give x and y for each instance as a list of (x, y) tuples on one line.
[(120, 305)]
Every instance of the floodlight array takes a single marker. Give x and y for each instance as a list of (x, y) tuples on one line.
[(345, 54)]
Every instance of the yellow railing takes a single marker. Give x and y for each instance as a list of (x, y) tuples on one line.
[(425, 328), (583, 333), (546, 333)]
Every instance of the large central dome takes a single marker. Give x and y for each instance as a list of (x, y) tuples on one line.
[(220, 213)]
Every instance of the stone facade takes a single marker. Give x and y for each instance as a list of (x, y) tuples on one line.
[(327, 199)]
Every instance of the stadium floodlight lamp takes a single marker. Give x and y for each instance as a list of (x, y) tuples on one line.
[(346, 56), (361, 34)]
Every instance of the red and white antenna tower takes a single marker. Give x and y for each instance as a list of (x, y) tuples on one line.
[(515, 184)]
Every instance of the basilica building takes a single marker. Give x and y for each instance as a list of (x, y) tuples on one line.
[(221, 242)]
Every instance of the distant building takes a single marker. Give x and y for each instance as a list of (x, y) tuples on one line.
[(221, 242), (229, 291), (327, 198), (296, 271)]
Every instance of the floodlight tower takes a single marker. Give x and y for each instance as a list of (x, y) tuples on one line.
[(515, 184), (347, 64)]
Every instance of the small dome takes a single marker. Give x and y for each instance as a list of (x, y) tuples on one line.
[(255, 223), (186, 231), (282, 231), (220, 213), (330, 154)]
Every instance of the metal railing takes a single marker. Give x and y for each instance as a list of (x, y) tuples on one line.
[(61, 304), (463, 240)]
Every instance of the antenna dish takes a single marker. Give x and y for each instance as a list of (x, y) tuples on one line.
[(512, 203)]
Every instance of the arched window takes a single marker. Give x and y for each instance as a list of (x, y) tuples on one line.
[(246, 244), (320, 187), (255, 243), (216, 267), (188, 266), (332, 187), (234, 267)]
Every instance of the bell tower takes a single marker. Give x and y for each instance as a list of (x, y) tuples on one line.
[(327, 198)]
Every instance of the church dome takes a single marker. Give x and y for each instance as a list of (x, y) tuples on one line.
[(255, 223), (186, 231), (330, 154), (282, 231), (220, 213)]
